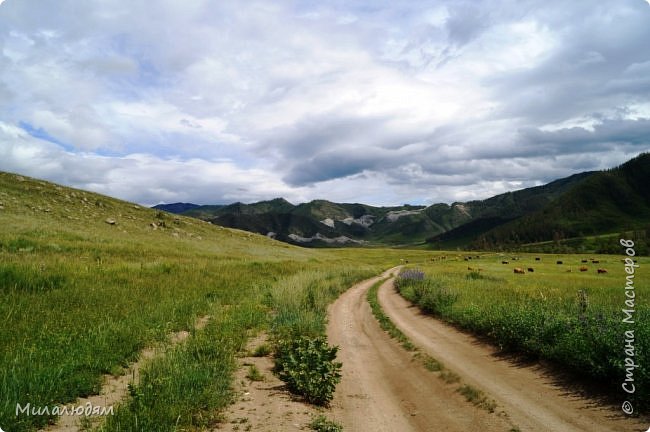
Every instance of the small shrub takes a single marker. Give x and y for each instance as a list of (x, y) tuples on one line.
[(322, 424), (407, 277), (307, 366), (262, 350), (413, 274), (254, 374)]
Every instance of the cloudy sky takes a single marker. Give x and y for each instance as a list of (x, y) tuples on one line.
[(382, 101)]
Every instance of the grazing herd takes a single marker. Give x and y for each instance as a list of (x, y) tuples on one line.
[(521, 270)]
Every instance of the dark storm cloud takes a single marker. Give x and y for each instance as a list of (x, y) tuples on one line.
[(632, 134)]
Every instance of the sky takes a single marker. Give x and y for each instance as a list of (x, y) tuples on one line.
[(381, 102)]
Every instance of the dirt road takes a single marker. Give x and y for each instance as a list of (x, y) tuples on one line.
[(384, 389), (529, 394)]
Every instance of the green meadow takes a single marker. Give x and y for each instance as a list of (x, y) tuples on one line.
[(88, 282), (557, 312)]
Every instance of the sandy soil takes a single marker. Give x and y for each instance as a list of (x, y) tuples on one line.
[(383, 388), (534, 398), (264, 405)]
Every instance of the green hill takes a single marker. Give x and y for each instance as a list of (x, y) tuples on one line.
[(484, 215), (356, 223), (611, 201), (588, 204)]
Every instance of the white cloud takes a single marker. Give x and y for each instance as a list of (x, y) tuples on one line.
[(359, 101)]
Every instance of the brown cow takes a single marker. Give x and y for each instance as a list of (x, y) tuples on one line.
[(583, 269), (519, 270), (531, 270), (602, 270), (504, 262), (583, 261), (595, 261)]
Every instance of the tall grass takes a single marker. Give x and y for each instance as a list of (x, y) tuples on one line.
[(82, 298), (573, 319), (187, 386), (300, 301)]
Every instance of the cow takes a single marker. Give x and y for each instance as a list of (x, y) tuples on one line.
[(595, 261), (519, 270), (583, 269), (469, 268), (504, 262), (583, 261), (531, 270), (558, 262), (602, 270), (538, 259)]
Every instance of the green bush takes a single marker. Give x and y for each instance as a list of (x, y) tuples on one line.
[(322, 424), (430, 294), (307, 366)]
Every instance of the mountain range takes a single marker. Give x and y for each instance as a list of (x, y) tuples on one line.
[(573, 211)]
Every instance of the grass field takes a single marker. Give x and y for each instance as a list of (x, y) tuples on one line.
[(87, 282), (556, 312)]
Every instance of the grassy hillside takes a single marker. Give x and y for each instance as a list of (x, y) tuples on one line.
[(611, 201), (88, 281)]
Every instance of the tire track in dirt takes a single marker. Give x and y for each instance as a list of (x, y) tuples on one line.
[(529, 394), (383, 388), (115, 388)]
